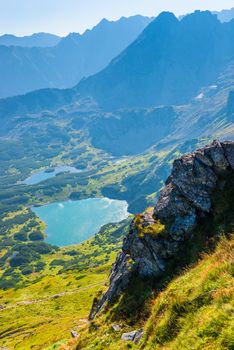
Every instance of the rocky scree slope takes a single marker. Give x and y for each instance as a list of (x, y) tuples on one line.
[(157, 235)]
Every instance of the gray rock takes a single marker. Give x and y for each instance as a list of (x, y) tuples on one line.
[(138, 336), (74, 334), (119, 279), (186, 197), (229, 152), (116, 327), (195, 181), (216, 153), (134, 336)]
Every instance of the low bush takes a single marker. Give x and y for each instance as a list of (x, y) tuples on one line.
[(21, 236), (27, 270), (36, 236)]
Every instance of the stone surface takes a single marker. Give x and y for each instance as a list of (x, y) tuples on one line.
[(229, 152), (139, 334), (74, 334), (186, 197), (116, 327), (134, 336), (119, 278)]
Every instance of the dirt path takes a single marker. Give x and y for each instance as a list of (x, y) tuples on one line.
[(55, 296)]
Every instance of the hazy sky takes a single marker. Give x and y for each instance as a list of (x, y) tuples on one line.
[(63, 16)]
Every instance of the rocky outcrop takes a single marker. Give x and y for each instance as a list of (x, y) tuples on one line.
[(156, 236), (119, 279)]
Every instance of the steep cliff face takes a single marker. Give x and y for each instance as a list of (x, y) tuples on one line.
[(157, 235)]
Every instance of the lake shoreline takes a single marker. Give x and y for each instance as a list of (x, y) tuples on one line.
[(48, 173), (71, 222)]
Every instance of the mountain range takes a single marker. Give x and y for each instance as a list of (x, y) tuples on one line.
[(167, 64), (54, 115), (34, 40), (45, 60), (24, 69), (225, 15), (124, 102)]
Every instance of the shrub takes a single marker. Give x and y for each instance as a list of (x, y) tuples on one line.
[(21, 236), (40, 247), (27, 270), (58, 262), (7, 284), (19, 260), (71, 253), (36, 236), (32, 224), (39, 266), (155, 229)]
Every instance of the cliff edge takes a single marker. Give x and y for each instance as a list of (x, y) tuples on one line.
[(156, 236)]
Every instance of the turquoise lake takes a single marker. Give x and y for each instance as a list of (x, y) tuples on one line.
[(73, 222), (44, 175)]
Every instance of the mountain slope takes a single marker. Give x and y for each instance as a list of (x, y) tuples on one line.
[(117, 132), (25, 69), (194, 311), (199, 304), (163, 281), (34, 40), (167, 64), (156, 237)]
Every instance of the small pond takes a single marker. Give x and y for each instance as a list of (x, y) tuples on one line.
[(43, 175)]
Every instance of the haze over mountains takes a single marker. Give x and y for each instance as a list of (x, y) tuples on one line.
[(167, 64), (171, 63), (225, 15), (34, 40), (45, 60), (24, 69)]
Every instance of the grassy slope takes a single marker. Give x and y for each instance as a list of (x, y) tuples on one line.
[(26, 324), (195, 307), (28, 329), (195, 311)]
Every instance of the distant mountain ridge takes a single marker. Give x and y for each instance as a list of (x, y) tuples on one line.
[(34, 40), (167, 64), (204, 104), (126, 129), (225, 15), (24, 69)]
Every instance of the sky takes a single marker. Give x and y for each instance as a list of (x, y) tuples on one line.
[(24, 17)]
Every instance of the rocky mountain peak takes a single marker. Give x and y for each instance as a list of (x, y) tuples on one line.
[(166, 17), (157, 235)]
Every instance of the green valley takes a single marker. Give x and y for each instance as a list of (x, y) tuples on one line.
[(154, 129), (57, 295)]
